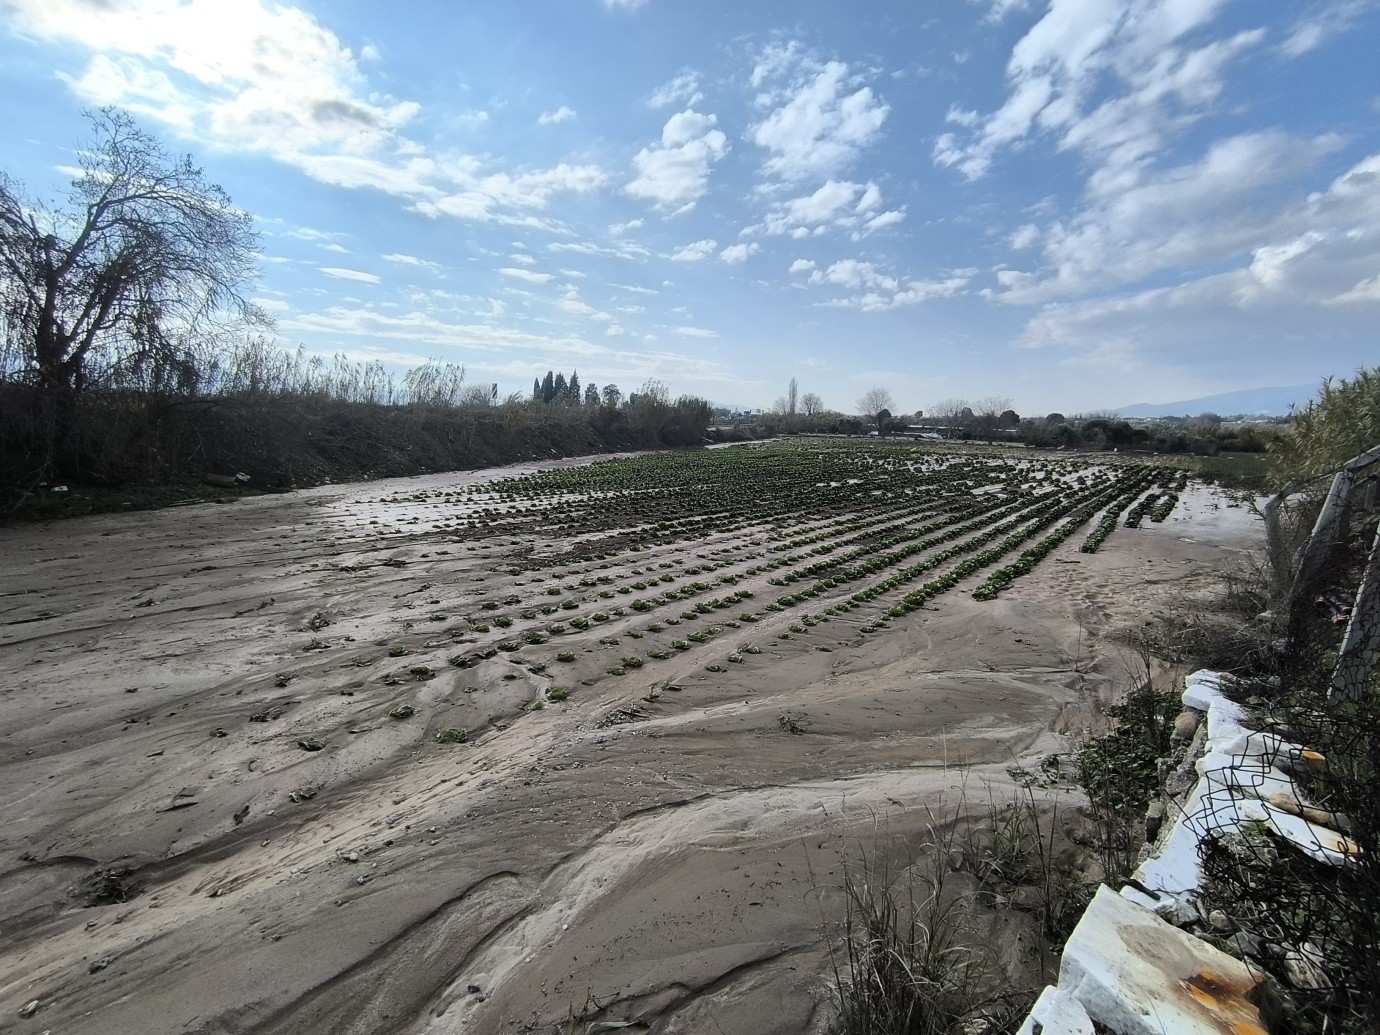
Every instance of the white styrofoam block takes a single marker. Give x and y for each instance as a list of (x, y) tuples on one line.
[(1201, 688), (1174, 870), (1268, 748), (1250, 779), (1173, 867), (1226, 719), (1320, 842), (1138, 975), (1150, 902), (1058, 1013)]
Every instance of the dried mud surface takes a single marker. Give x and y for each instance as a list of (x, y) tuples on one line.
[(173, 860)]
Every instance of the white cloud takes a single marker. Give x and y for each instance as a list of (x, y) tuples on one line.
[(527, 275), (305, 233), (250, 77), (571, 302), (624, 5), (561, 114), (870, 289), (997, 10), (1270, 262), (1320, 24), (1321, 249), (962, 117), (504, 198), (400, 259), (683, 89), (821, 117), (737, 254), (695, 252), (824, 204), (775, 59), (340, 273), (619, 229), (852, 273), (619, 249), (1202, 212), (243, 76), (880, 221), (675, 172), (1024, 237), (1363, 291), (408, 178), (836, 203), (802, 266), (1109, 80), (695, 332)]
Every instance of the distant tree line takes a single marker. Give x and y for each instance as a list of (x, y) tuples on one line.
[(992, 419), (650, 413), (555, 390)]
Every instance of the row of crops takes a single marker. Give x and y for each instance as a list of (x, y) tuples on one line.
[(723, 539)]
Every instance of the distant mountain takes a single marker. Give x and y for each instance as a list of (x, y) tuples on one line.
[(1262, 402)]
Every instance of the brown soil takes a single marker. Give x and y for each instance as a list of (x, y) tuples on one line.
[(174, 861)]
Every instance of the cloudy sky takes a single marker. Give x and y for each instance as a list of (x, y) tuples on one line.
[(1076, 204)]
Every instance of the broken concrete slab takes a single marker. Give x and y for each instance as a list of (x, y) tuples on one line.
[(1057, 1013), (1138, 975)]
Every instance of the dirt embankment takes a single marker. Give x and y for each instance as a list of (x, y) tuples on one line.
[(178, 856)]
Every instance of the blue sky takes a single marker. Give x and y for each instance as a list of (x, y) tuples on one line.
[(1075, 204)]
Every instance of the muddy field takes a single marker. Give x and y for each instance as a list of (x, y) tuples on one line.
[(447, 754)]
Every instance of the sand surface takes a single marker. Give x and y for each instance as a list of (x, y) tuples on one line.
[(172, 860)]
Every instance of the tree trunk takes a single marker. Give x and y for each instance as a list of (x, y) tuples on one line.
[(1362, 642)]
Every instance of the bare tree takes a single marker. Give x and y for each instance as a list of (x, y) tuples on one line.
[(987, 415), (792, 395), (132, 276), (948, 413), (873, 401), (811, 404)]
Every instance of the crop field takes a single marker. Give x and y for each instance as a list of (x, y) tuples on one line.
[(577, 742), (698, 554)]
